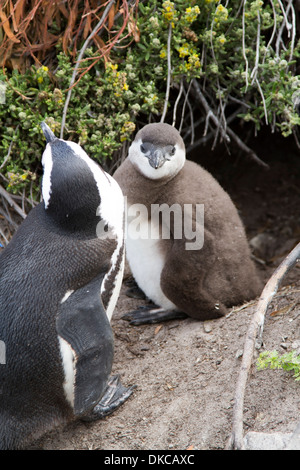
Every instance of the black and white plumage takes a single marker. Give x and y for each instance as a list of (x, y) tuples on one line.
[(60, 278)]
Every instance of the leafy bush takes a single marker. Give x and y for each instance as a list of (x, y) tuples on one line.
[(289, 361), (241, 54)]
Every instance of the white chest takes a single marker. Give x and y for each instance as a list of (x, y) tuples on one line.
[(146, 260)]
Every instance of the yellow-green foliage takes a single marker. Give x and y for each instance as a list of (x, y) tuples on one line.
[(236, 50), (273, 360)]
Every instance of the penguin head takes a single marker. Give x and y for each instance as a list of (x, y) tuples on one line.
[(70, 184), (158, 151)]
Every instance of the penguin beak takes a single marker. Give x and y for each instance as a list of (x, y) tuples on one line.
[(157, 158), (49, 136)]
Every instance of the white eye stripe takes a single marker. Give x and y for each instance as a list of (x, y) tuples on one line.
[(47, 163)]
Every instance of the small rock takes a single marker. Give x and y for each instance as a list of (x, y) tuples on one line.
[(207, 327), (296, 346), (239, 353), (266, 441)]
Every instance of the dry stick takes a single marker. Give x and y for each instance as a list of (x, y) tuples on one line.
[(293, 34), (4, 237), (9, 151), (273, 32), (186, 102), (82, 51), (255, 331), (11, 202), (246, 149), (7, 155), (244, 44), (263, 100), (208, 110), (229, 132), (255, 68), (206, 138), (285, 24), (169, 75), (177, 102)]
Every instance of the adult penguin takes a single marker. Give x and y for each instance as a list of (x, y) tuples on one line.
[(186, 245), (60, 277)]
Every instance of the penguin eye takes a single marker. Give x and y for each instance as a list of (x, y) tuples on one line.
[(172, 151), (143, 148)]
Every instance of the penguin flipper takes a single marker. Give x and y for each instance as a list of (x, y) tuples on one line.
[(83, 324), (113, 397)]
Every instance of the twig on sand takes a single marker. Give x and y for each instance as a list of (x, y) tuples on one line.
[(254, 332)]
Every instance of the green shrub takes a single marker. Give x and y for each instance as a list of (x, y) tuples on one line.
[(238, 54), (289, 361)]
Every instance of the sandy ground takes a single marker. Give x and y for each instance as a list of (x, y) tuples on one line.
[(185, 372)]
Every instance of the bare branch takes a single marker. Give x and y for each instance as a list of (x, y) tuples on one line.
[(81, 53), (244, 44), (293, 33), (229, 134), (7, 155), (246, 149), (186, 102), (255, 330), (203, 140), (255, 68), (263, 99), (11, 202), (4, 237), (273, 32), (285, 24), (168, 76), (177, 102), (285, 13), (208, 110)]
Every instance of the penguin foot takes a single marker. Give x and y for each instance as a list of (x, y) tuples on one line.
[(133, 290), (114, 396), (149, 314), (135, 293)]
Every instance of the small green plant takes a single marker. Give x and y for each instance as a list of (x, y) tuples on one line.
[(273, 360)]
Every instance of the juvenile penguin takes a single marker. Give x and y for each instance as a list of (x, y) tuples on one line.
[(202, 263), (60, 277)]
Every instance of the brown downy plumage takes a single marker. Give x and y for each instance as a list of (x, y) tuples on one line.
[(199, 282)]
